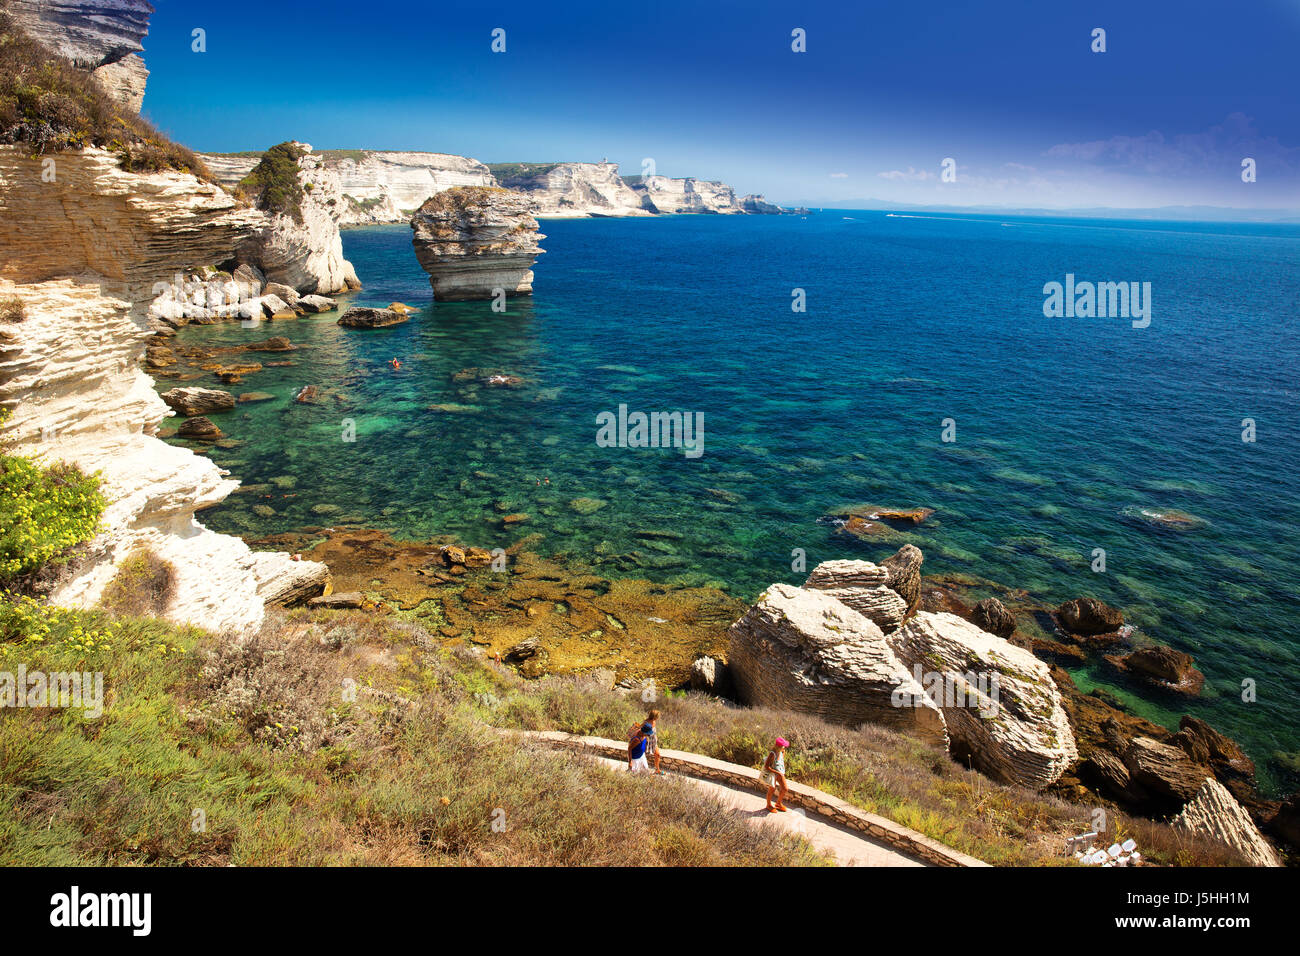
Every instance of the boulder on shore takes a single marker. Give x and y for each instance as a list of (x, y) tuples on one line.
[(861, 585), (198, 401), (905, 574), (1005, 715), (1214, 813), (477, 242), (992, 615), (803, 650)]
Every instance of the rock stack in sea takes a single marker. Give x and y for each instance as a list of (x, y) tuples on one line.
[(476, 243)]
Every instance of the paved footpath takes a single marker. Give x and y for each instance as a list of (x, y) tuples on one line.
[(849, 847)]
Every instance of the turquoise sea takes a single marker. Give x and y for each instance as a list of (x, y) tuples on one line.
[(1068, 430)]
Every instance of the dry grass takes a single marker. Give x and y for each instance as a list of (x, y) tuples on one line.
[(49, 105), (288, 766), (874, 768), (12, 310)]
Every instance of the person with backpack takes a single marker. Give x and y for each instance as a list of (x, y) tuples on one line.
[(636, 747), (652, 737), (773, 775)]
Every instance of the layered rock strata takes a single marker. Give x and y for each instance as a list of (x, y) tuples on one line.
[(102, 37), (803, 650), (477, 243), (84, 255), (572, 189), (302, 248)]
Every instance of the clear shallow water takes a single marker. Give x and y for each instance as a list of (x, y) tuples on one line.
[(1066, 428)]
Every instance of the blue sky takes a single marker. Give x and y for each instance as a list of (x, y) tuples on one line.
[(885, 92)]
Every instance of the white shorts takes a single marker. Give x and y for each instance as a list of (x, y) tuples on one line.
[(640, 765)]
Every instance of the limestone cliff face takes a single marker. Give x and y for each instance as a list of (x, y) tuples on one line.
[(572, 189), (305, 251), (388, 187), (87, 254), (665, 196), (474, 241), (378, 186), (102, 37)]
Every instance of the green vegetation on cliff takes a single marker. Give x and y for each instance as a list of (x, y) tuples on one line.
[(45, 511), (49, 105), (510, 171), (273, 184)]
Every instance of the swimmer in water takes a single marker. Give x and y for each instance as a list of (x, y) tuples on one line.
[(395, 364)]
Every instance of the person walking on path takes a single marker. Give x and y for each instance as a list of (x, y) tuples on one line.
[(636, 748), (648, 731), (774, 775)]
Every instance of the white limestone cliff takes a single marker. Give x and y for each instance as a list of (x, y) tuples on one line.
[(102, 37), (305, 251), (576, 190), (665, 196), (86, 255)]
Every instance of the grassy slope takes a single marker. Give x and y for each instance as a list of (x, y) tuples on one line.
[(286, 771), (262, 739)]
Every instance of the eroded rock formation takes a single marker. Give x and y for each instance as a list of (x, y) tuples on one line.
[(803, 650), (996, 703), (301, 247), (572, 189), (83, 254), (477, 242), (659, 194), (1214, 813), (1003, 712), (102, 37)]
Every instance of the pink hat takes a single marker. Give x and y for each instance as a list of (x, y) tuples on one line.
[(782, 742)]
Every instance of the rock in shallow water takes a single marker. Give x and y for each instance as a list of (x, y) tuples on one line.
[(198, 401), (358, 317)]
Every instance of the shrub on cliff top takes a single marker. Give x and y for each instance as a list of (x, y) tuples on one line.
[(44, 513), (50, 105), (273, 184), (143, 586)]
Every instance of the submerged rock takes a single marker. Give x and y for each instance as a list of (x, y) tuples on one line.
[(476, 242)]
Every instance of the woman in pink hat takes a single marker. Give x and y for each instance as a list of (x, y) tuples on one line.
[(774, 775)]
